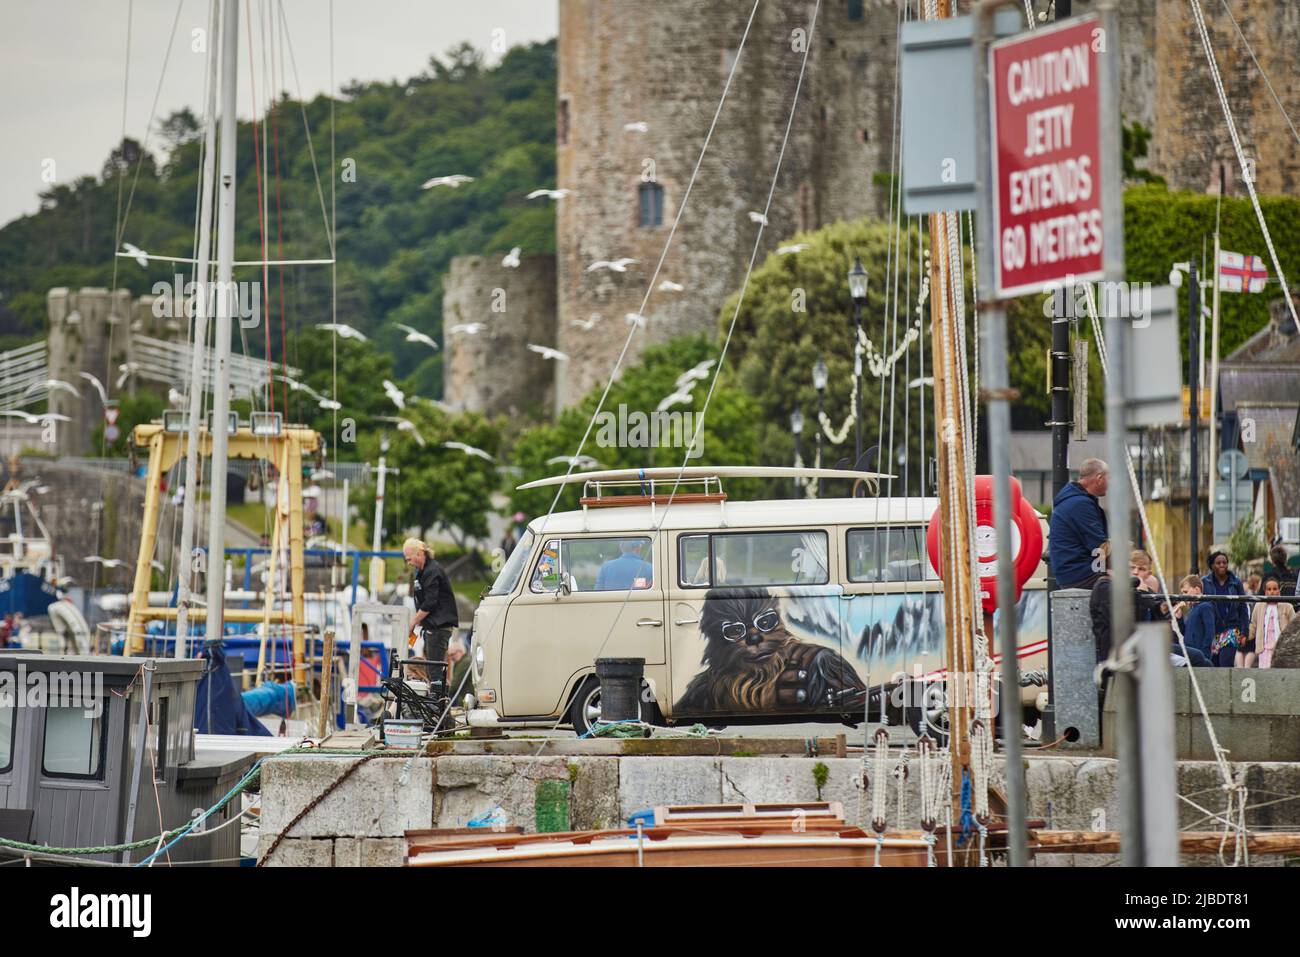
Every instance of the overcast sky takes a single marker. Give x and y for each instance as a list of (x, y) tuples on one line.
[(62, 63)]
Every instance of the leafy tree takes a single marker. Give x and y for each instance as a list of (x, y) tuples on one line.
[(395, 240), (438, 488), (729, 437)]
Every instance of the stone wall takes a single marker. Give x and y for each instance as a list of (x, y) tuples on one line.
[(94, 331), (89, 331), (363, 822), (1191, 136), (666, 66), (492, 371)]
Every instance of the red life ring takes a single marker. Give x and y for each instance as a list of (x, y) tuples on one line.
[(1026, 534)]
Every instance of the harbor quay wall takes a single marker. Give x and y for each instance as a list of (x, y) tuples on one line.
[(362, 822)]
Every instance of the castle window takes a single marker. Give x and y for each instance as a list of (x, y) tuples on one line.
[(855, 9), (562, 123), (651, 196)]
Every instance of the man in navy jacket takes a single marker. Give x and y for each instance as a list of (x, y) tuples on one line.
[(1078, 528)]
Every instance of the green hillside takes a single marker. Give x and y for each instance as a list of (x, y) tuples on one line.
[(395, 240)]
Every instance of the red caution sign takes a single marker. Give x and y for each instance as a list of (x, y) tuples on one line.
[(1047, 163), (1026, 540)]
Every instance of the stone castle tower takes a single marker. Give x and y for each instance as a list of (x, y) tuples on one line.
[(94, 330), (664, 65), (493, 370)]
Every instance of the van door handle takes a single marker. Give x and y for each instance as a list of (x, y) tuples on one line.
[(686, 621), (654, 622)]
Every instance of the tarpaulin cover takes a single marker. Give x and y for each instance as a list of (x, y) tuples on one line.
[(219, 707)]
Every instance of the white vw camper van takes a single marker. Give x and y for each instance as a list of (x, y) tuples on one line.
[(745, 612)]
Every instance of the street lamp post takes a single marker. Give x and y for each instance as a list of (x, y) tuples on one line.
[(796, 427), (858, 290), (819, 383)]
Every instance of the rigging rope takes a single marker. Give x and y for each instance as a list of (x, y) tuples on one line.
[(1246, 173), (1225, 770)]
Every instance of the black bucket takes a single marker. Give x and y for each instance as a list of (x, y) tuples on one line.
[(620, 688)]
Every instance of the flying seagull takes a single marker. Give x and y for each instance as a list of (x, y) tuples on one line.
[(678, 397), (640, 126), (415, 335), (696, 372), (127, 369), (106, 562), (467, 449), (99, 387), (546, 352), (295, 386), (618, 265), (792, 248), (469, 328), (757, 217), (576, 461), (404, 425), (52, 384), (669, 286), (511, 259), (138, 254), (44, 417), (918, 383), (634, 317), (586, 324), (342, 328), (393, 392), (330, 404), (454, 180), (549, 193)]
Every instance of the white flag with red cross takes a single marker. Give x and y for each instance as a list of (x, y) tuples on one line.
[(1238, 273)]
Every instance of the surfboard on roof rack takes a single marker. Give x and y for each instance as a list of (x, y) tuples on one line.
[(698, 472)]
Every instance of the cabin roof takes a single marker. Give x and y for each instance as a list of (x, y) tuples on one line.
[(738, 515), (104, 664)]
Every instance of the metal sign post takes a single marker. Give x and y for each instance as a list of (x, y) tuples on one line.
[(1051, 215)]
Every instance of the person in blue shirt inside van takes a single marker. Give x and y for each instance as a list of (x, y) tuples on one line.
[(629, 570)]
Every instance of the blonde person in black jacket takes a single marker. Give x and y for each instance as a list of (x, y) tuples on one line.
[(435, 603)]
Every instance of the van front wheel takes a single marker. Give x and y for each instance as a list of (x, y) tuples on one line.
[(584, 709)]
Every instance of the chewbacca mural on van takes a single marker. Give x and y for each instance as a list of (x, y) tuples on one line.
[(753, 664)]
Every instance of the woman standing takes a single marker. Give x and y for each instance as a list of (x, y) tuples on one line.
[(1231, 618), (1267, 622)]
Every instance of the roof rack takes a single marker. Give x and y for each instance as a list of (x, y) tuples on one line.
[(650, 491)]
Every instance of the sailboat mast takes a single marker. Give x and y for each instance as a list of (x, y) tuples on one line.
[(191, 491), (952, 450), (225, 300)]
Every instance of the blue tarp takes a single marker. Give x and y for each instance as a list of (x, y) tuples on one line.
[(219, 707)]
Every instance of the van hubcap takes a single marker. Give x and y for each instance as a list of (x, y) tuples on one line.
[(591, 708)]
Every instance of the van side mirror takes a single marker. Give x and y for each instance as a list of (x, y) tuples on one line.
[(565, 587)]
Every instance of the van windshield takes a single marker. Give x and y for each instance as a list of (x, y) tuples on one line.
[(514, 566)]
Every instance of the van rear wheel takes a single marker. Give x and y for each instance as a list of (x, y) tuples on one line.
[(584, 709)]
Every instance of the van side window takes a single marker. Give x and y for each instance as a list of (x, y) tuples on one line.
[(888, 555), (694, 568), (595, 564), (770, 558)]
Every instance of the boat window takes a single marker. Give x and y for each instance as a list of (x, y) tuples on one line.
[(74, 739), (693, 565), (888, 554), (7, 723), (595, 564), (158, 738), (770, 558), (513, 569)]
